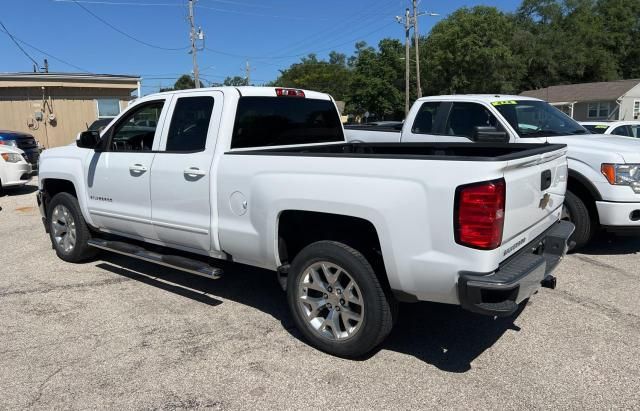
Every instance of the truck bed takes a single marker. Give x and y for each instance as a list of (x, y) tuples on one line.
[(417, 151)]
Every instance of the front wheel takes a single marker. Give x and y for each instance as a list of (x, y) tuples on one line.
[(68, 231), (336, 300), (576, 211)]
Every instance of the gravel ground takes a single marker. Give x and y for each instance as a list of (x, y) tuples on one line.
[(119, 333)]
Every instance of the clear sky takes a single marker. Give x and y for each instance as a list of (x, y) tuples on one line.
[(271, 34)]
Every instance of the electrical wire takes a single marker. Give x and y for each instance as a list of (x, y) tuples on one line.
[(47, 54), (8, 33), (300, 54), (118, 3), (125, 33)]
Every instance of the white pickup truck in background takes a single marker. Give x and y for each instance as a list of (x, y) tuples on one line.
[(604, 171), (263, 176)]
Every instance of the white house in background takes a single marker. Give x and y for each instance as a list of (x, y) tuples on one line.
[(610, 100)]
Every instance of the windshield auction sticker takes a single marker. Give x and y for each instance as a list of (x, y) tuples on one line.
[(504, 102)]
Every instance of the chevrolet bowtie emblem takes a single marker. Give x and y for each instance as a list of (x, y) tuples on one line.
[(544, 201)]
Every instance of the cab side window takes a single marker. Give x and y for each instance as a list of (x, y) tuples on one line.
[(190, 124), (621, 131), (137, 130), (635, 131), (425, 119), (465, 117)]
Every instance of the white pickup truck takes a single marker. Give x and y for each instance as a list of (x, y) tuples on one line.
[(263, 176), (604, 171)]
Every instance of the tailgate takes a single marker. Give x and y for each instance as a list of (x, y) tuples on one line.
[(535, 188)]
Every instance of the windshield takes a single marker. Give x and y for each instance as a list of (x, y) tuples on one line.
[(596, 128), (532, 118)]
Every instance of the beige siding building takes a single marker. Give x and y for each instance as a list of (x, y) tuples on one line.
[(54, 107)]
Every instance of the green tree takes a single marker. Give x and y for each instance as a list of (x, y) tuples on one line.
[(332, 77), (564, 42), (235, 81), (621, 23), (185, 82), (471, 52), (378, 80)]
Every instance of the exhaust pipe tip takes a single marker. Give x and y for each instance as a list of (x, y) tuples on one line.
[(549, 282)]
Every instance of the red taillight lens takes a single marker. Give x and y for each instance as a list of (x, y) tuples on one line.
[(479, 214), (289, 92)]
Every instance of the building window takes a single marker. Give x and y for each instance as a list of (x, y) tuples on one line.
[(636, 109), (108, 107), (599, 110)]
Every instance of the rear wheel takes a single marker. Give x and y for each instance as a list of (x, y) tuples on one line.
[(576, 211), (337, 301), (68, 231)]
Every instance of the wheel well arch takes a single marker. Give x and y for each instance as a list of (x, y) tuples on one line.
[(298, 228), (53, 186), (585, 190)]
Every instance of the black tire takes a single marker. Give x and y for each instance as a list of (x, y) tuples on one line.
[(379, 307), (580, 217), (81, 251)]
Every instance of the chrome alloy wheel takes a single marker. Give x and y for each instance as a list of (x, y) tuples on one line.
[(64, 228), (331, 301)]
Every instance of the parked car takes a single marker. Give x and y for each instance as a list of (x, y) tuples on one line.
[(263, 176), (629, 128), (604, 172), (25, 142), (14, 168)]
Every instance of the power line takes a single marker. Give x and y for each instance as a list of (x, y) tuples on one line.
[(58, 59), (125, 33), (8, 33), (119, 3), (300, 54)]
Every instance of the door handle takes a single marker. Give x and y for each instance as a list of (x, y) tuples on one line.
[(194, 171), (138, 168)]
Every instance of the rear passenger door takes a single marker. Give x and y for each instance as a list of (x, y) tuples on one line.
[(183, 207)]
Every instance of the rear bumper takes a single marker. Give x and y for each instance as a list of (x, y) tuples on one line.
[(618, 214), (499, 293)]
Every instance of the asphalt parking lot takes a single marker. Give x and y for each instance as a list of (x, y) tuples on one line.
[(119, 333)]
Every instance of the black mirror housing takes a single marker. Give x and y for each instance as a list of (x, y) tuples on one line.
[(489, 134), (88, 139)]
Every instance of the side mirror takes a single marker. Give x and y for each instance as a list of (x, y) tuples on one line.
[(88, 139), (488, 134)]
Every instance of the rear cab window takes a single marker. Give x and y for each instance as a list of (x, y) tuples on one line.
[(279, 121)]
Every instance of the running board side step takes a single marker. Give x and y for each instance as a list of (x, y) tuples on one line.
[(173, 261)]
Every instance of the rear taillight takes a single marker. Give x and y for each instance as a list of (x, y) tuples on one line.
[(289, 92), (479, 214)]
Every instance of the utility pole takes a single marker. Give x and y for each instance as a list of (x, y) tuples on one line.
[(407, 73), (416, 35), (194, 37), (248, 73)]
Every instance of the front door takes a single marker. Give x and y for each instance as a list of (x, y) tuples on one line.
[(119, 177), (183, 211)]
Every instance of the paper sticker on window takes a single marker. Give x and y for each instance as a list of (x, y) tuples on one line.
[(601, 126), (502, 103)]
